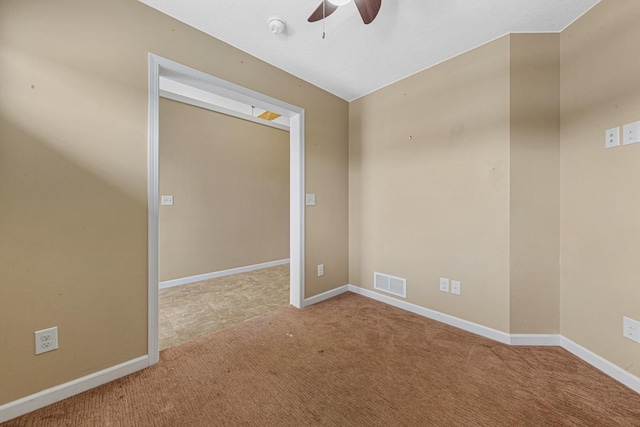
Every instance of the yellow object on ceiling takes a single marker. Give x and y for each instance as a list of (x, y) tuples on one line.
[(268, 115)]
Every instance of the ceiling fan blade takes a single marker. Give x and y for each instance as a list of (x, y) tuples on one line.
[(368, 9), (328, 10)]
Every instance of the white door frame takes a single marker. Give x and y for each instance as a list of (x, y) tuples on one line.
[(161, 66)]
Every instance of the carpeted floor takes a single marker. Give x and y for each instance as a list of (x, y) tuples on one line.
[(351, 361), (197, 309)]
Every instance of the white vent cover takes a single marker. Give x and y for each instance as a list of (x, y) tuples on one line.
[(391, 284)]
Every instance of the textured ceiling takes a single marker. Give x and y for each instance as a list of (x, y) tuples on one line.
[(355, 59)]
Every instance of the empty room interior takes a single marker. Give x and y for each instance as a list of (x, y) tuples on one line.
[(223, 220), (420, 212)]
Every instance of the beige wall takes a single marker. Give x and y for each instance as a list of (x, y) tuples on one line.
[(230, 182), (73, 177), (429, 185), (461, 180), (600, 204), (562, 211), (431, 166), (534, 183)]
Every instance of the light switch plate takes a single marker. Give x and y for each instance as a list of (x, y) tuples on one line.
[(167, 200), (320, 270), (631, 133), (444, 284), (612, 138), (311, 199)]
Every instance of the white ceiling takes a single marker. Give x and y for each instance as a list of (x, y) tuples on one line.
[(355, 59)]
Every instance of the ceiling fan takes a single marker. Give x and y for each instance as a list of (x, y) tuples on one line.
[(368, 9)]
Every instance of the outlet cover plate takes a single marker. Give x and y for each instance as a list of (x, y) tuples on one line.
[(631, 133), (612, 138), (46, 340), (167, 200), (444, 284), (631, 329), (455, 287)]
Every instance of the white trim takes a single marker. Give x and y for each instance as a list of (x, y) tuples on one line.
[(207, 96), (326, 295), (484, 331), (537, 340), (55, 394), (153, 334), (614, 371), (297, 209), (159, 66), (465, 325), (212, 107), (221, 273)]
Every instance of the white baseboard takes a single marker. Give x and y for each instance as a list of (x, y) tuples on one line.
[(325, 296), (538, 340), (55, 394), (614, 371), (465, 325), (222, 273), (46, 397)]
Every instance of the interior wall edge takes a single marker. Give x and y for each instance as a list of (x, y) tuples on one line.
[(600, 204)]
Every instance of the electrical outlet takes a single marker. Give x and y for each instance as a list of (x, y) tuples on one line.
[(320, 270), (444, 284), (631, 329), (455, 287), (612, 138), (310, 199), (46, 340), (167, 200), (631, 133)]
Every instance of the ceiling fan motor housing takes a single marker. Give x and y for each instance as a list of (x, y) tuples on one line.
[(368, 9)]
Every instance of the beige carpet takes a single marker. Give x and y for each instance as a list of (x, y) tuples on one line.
[(351, 361), (200, 308)]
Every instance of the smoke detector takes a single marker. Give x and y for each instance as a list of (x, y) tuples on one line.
[(277, 25)]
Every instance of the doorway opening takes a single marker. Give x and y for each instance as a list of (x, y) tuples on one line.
[(172, 80), (224, 219)]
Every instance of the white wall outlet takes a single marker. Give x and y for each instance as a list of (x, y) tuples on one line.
[(455, 287), (444, 284), (311, 199), (631, 133), (167, 200), (631, 329), (320, 270), (612, 138), (46, 340)]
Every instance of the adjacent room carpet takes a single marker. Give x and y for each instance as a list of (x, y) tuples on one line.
[(197, 309), (351, 361)]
